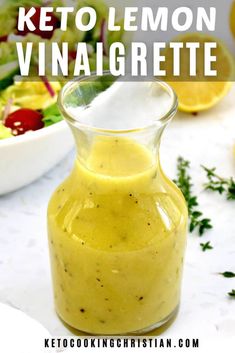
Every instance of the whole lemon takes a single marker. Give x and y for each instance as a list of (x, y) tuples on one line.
[(232, 19)]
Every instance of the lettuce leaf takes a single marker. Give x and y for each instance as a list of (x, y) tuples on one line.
[(7, 53), (5, 132), (24, 3), (71, 36), (102, 14), (51, 115), (116, 36)]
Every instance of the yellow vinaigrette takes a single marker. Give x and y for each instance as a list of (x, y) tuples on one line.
[(117, 234)]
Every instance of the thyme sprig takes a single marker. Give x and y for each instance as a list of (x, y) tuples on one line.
[(232, 293), (218, 184), (228, 274), (184, 183), (206, 246)]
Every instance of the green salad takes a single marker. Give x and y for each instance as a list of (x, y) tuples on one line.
[(26, 105)]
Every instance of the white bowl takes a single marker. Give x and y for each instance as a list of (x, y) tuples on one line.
[(20, 333), (25, 158)]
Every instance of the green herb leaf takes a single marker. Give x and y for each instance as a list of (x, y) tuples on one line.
[(218, 184), (184, 183), (206, 246), (228, 274), (4, 132), (232, 293), (51, 115)]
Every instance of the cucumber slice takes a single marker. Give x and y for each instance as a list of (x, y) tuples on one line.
[(7, 73)]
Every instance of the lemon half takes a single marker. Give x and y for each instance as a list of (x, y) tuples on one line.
[(232, 19), (200, 93)]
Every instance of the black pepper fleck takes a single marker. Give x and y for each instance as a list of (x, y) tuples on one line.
[(141, 298), (82, 310), (102, 321)]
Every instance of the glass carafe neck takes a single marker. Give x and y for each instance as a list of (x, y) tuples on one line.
[(118, 154), (117, 125)]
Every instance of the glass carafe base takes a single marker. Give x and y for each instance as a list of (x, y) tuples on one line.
[(152, 330), (163, 324)]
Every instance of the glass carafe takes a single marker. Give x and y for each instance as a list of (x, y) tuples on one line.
[(117, 225)]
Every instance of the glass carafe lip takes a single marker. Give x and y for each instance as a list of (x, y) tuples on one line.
[(160, 122)]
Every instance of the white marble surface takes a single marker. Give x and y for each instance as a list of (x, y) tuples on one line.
[(207, 139)]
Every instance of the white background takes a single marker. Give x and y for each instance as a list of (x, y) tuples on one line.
[(206, 310)]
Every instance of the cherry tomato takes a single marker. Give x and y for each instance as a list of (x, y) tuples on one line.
[(72, 55), (54, 22), (24, 120), (3, 38)]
